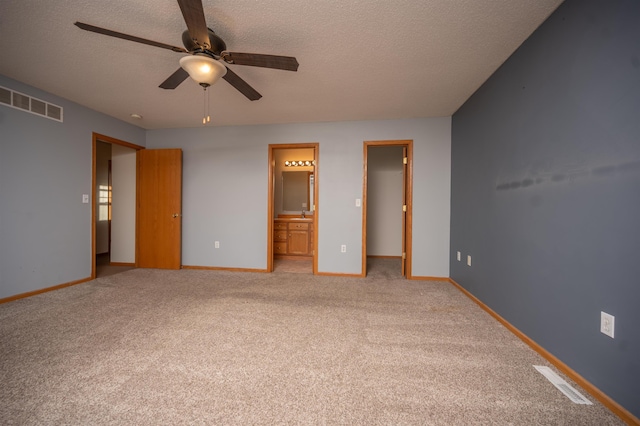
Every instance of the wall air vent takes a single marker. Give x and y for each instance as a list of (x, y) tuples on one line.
[(5, 96), (564, 387), (23, 102)]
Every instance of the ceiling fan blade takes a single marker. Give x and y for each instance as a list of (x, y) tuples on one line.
[(288, 63), (241, 85), (175, 79), (123, 36), (196, 24)]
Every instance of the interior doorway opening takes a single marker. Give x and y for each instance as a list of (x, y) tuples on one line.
[(293, 208), (113, 213), (387, 205), (103, 202)]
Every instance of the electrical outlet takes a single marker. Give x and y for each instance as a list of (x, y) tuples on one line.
[(216, 244), (343, 248), (459, 256), (607, 324), (469, 260)]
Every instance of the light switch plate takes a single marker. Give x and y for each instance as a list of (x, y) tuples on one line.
[(85, 198)]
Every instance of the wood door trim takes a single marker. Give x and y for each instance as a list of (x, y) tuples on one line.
[(270, 207), (109, 195), (270, 211), (408, 143), (427, 278), (403, 260), (109, 139), (95, 137)]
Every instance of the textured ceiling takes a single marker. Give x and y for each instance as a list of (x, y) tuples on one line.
[(359, 59)]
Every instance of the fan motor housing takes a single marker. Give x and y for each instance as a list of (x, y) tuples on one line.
[(217, 44)]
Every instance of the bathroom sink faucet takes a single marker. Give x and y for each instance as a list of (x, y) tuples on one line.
[(303, 214)]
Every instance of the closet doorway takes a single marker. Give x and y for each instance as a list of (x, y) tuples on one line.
[(292, 244), (387, 206)]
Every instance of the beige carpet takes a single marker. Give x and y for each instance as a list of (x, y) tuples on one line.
[(151, 347)]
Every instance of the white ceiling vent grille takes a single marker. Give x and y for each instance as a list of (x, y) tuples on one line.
[(23, 102)]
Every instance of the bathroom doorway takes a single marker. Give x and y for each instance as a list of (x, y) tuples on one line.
[(293, 208)]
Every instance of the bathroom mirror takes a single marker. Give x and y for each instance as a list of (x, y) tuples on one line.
[(297, 191)]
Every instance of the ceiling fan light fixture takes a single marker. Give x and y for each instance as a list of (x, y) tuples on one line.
[(203, 69)]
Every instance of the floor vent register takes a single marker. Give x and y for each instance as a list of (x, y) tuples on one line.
[(562, 385)]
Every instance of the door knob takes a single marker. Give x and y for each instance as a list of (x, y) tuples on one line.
[(176, 215)]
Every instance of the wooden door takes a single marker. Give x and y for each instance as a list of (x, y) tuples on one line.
[(159, 212), (404, 211)]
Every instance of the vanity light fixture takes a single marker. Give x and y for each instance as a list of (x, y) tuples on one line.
[(299, 163)]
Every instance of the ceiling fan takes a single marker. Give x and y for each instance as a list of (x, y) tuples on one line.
[(203, 44)]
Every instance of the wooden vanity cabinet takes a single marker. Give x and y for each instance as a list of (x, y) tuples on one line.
[(298, 242), (280, 238), (292, 238)]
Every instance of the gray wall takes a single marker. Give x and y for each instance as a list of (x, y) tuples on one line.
[(546, 191), (45, 167), (225, 171)]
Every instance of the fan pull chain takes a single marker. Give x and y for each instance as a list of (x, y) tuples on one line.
[(208, 117), (204, 107)]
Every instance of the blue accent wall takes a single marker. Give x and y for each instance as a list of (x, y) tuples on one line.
[(546, 191)]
